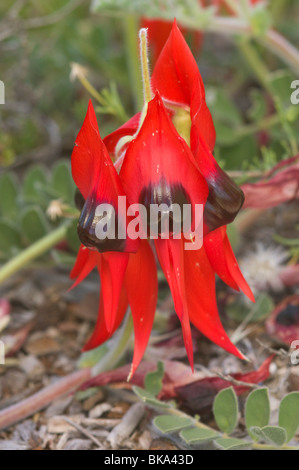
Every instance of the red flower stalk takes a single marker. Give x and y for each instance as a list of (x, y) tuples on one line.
[(166, 158)]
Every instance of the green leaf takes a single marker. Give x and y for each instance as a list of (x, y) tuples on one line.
[(193, 435), (9, 194), (230, 443), (149, 399), (153, 380), (34, 182), (168, 423), (225, 409), (62, 181), (33, 223), (257, 409), (289, 414), (10, 239), (270, 434)]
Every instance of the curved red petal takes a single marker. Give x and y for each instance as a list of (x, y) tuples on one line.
[(129, 128), (235, 270), (223, 261), (88, 152), (184, 84), (176, 70), (142, 289), (225, 196), (100, 333), (201, 300), (201, 116), (112, 268), (99, 183), (86, 261), (171, 257)]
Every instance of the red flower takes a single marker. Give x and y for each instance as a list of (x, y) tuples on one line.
[(159, 167), (123, 282)]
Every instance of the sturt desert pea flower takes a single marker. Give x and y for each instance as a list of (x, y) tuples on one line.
[(183, 94), (157, 165), (126, 278)]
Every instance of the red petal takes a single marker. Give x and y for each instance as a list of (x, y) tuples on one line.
[(142, 289), (223, 261), (100, 333), (92, 168), (201, 299), (129, 128), (112, 268), (170, 253), (225, 197), (177, 63), (88, 153), (184, 84), (159, 154), (98, 182), (85, 263), (201, 116)]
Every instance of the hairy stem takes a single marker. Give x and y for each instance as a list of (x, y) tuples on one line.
[(147, 92)]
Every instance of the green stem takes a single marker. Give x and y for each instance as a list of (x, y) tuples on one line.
[(131, 43), (91, 89), (147, 92), (253, 59), (33, 251), (121, 343)]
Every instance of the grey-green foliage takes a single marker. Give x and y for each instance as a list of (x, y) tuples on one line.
[(260, 434), (23, 206)]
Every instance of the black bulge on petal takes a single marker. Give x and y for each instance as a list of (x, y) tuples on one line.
[(169, 194), (224, 201), (87, 228)]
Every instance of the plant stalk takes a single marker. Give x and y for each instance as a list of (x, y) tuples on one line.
[(32, 252)]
